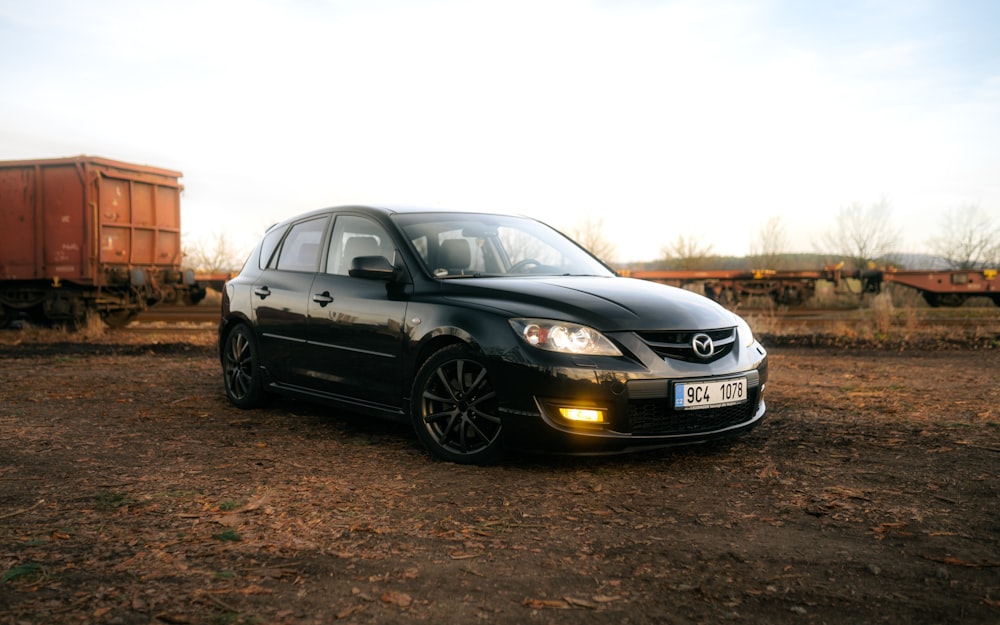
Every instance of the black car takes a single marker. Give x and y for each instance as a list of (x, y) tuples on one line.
[(487, 332)]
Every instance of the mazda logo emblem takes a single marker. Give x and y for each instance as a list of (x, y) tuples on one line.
[(702, 345)]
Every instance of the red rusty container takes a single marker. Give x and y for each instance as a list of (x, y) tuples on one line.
[(106, 232)]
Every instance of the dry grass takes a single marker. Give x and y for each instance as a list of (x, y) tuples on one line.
[(882, 320), (882, 313), (97, 332)]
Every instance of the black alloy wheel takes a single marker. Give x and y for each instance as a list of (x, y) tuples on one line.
[(241, 369), (455, 408)]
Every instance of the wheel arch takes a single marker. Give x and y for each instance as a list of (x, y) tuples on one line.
[(227, 325), (430, 344)]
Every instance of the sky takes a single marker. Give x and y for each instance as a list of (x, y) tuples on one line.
[(654, 118)]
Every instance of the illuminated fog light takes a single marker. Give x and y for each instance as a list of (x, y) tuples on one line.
[(582, 415)]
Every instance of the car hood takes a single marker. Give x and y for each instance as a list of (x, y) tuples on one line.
[(607, 304)]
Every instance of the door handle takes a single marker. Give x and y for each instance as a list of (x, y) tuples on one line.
[(323, 298), (261, 291)]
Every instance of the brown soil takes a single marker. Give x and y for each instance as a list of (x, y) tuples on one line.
[(131, 492)]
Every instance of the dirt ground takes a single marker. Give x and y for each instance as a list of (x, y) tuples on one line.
[(131, 492)]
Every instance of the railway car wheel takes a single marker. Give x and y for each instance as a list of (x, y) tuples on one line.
[(952, 300), (119, 318), (932, 299), (241, 369)]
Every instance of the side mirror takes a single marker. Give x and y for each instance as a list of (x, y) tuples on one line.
[(372, 268)]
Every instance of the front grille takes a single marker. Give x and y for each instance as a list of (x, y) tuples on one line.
[(658, 417), (677, 344)]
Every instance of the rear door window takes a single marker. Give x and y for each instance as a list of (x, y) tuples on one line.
[(300, 250)]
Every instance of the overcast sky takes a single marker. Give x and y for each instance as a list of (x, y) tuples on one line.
[(701, 118)]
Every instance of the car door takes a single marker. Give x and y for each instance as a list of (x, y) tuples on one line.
[(357, 324), (280, 300)]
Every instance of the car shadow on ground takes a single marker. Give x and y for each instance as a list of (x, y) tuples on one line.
[(359, 430)]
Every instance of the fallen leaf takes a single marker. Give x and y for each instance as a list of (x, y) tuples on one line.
[(605, 598), (348, 611), (953, 561), (401, 599), (581, 603), (545, 603)]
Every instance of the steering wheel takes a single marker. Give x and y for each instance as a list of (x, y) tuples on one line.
[(521, 265)]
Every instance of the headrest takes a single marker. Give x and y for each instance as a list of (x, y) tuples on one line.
[(455, 254)]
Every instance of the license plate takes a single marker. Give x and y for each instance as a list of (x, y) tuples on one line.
[(695, 395)]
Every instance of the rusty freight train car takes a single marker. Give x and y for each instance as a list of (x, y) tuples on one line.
[(88, 235), (950, 287)]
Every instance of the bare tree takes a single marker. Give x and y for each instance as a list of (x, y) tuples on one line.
[(590, 234), (863, 234), (687, 252), (771, 242), (968, 238), (216, 255)]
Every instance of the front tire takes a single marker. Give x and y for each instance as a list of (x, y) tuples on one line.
[(241, 369), (455, 408)]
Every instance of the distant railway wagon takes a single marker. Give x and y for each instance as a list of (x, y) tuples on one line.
[(791, 288), (948, 288), (85, 235)]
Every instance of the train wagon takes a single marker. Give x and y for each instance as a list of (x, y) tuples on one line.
[(950, 287), (88, 235)]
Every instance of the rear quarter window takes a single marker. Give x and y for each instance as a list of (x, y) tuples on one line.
[(268, 245)]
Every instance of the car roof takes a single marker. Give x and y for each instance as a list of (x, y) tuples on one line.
[(387, 209)]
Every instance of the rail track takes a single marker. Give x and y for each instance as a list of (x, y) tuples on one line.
[(177, 315)]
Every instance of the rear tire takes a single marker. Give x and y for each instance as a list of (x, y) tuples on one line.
[(455, 408), (241, 369)]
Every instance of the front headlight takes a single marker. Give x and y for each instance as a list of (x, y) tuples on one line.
[(743, 328), (563, 337)]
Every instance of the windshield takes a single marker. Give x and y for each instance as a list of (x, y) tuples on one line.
[(471, 244)]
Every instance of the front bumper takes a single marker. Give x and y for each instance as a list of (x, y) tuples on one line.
[(639, 411)]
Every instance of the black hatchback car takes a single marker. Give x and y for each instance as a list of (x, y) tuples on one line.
[(486, 332)]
